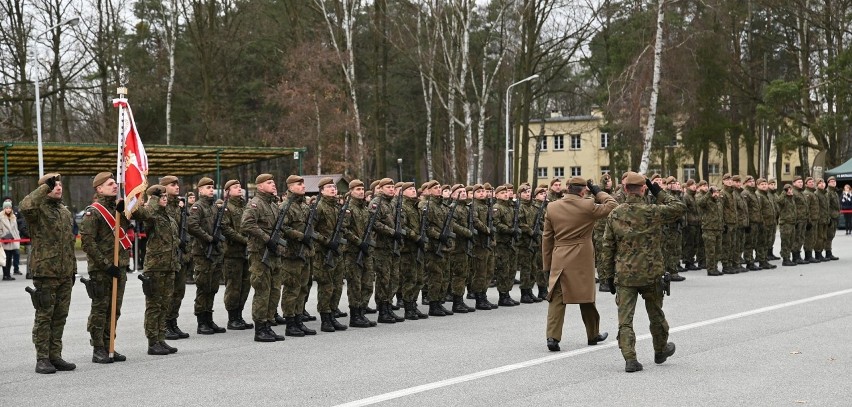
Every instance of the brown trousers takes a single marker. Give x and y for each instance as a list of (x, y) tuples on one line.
[(556, 316)]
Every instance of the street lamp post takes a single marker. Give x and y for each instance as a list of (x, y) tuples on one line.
[(508, 104), (72, 21), (399, 169)]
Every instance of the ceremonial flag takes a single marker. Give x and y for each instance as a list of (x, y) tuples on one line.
[(134, 174)]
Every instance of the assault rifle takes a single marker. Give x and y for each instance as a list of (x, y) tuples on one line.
[(217, 227), (308, 234), (365, 239), (446, 230), (398, 231), (536, 237), (516, 230), (666, 283), (489, 222), (276, 232), (336, 238), (421, 241), (469, 249), (184, 239)]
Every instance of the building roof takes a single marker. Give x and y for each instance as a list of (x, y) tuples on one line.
[(21, 159), (584, 118)]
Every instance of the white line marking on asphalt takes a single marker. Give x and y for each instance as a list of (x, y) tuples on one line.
[(534, 362)]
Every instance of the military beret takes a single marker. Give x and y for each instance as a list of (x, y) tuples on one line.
[(735, 178), (605, 176), (577, 181), (46, 177), (771, 180), (374, 184), (487, 186), (809, 179), (655, 176), (384, 181), (797, 178), (702, 183), (468, 188), (820, 180), (424, 186), (263, 178), (634, 178), (190, 194), (759, 180), (100, 178), (475, 187), (294, 179), (690, 182), (324, 181), (355, 183), (671, 180), (510, 187), (155, 189), (748, 178), (499, 189), (231, 182), (539, 190), (524, 187), (168, 179), (624, 175), (406, 185), (831, 178), (787, 186), (205, 181), (446, 187), (727, 176), (555, 180), (542, 186), (398, 184)]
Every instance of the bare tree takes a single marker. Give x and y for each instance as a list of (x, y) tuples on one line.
[(655, 88)]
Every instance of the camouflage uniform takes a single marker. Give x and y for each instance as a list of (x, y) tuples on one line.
[(483, 252), (526, 217), (383, 259), (712, 224), (98, 243), (207, 272), (52, 265), (802, 223), (236, 264), (833, 215), (763, 240), (754, 230), (297, 271), (174, 210), (328, 209), (742, 229), (437, 255), (506, 250), (459, 264), (672, 241), (788, 219), (359, 279), (729, 230), (256, 224), (412, 276), (162, 261), (691, 231), (812, 227), (637, 266), (822, 224)]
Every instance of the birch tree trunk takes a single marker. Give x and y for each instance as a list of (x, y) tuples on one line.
[(319, 135), (655, 90), (426, 67)]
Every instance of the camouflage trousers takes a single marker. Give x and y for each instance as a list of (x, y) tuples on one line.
[(799, 241), (266, 281), (712, 248), (459, 266), (295, 280), (157, 305), (384, 264), (700, 255), (435, 268), (179, 290), (625, 299), (811, 233), (820, 236), (207, 275), (479, 263), (690, 242), (328, 279), (830, 231), (506, 266), (741, 244), (538, 264), (788, 240), (99, 317), (50, 316), (761, 242), (525, 266), (359, 280), (237, 284), (729, 246), (672, 246), (771, 233), (411, 275)]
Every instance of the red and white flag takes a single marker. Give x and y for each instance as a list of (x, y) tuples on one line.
[(134, 174)]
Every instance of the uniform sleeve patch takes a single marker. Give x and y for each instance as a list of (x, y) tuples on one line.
[(254, 205), (193, 208), (88, 213)]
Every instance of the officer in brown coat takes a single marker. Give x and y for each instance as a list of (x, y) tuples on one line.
[(569, 256)]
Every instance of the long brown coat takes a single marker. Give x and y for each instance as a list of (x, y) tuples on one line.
[(566, 245)]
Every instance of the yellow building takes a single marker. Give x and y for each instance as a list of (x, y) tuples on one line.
[(576, 146)]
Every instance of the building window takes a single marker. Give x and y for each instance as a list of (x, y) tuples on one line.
[(558, 172), (604, 141), (542, 172), (576, 172), (604, 170), (799, 170), (558, 143), (689, 171), (713, 169), (542, 143), (576, 142), (786, 168)]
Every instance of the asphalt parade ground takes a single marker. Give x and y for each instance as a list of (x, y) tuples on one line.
[(767, 338)]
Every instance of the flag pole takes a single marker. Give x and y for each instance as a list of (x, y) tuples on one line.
[(122, 93)]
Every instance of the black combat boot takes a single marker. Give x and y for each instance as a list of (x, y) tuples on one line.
[(632, 365), (368, 310), (396, 317), (447, 312), (44, 366), (268, 328), (306, 316), (417, 312), (798, 258), (765, 265), (771, 256), (692, 266), (293, 327), (355, 319), (714, 272), (409, 311), (203, 327), (362, 311), (789, 262), (170, 333), (216, 328), (117, 357), (480, 302), (676, 277), (384, 313), (301, 325), (485, 299), (753, 267), (542, 292), (458, 305), (337, 313), (830, 256), (234, 322), (526, 296), (512, 299), (246, 324), (819, 257), (100, 355), (62, 366), (336, 324), (260, 333), (435, 309), (660, 357), (470, 294), (279, 320), (176, 329), (154, 348), (424, 294), (808, 257), (168, 347), (399, 303), (326, 326), (505, 300)]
